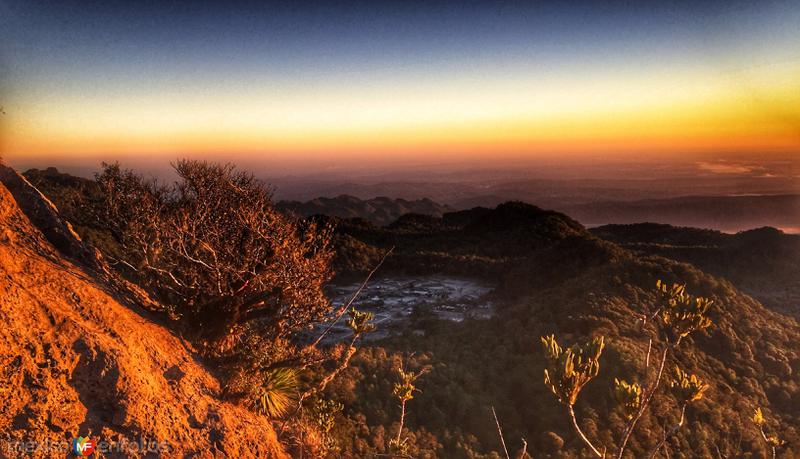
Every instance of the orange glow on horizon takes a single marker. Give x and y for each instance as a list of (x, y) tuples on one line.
[(680, 114)]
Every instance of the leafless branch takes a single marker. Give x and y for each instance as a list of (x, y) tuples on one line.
[(500, 433), (668, 434), (645, 403), (349, 303), (581, 434)]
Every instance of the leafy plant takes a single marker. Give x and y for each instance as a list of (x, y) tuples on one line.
[(360, 322), (323, 414), (676, 315), (681, 313), (278, 392), (687, 388), (773, 441), (568, 370), (404, 391), (628, 396)]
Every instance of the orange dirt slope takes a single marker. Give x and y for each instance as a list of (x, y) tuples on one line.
[(75, 361)]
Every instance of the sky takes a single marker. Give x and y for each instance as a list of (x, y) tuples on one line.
[(303, 85)]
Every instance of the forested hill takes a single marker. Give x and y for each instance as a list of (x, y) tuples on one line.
[(763, 262), (554, 276)]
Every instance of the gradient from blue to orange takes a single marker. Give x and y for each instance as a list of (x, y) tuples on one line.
[(340, 81)]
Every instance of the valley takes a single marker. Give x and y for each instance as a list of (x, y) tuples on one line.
[(393, 299)]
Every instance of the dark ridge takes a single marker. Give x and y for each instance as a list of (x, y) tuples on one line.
[(380, 210), (463, 218), (657, 232), (416, 223), (519, 216)]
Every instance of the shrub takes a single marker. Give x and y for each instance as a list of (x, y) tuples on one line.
[(217, 254)]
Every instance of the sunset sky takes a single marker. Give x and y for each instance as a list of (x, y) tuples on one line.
[(416, 81)]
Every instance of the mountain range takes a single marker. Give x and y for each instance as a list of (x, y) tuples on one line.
[(724, 213)]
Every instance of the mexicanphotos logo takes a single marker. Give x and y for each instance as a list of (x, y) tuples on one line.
[(82, 446)]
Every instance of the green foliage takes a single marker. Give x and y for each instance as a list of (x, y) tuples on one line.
[(598, 288), (681, 313), (399, 447), (773, 441), (687, 388), (79, 201), (758, 417), (278, 392), (360, 322), (628, 396), (404, 389), (323, 413), (569, 370)]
